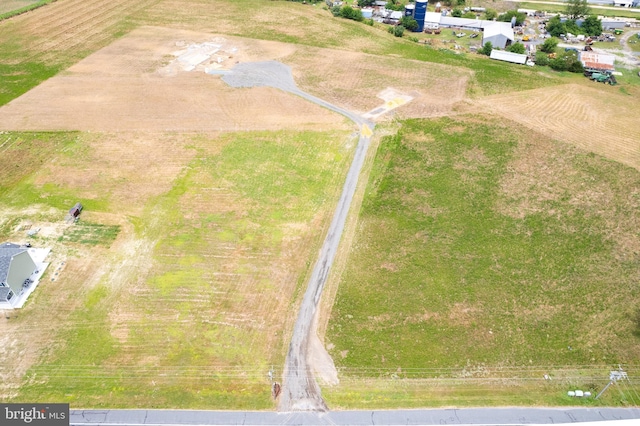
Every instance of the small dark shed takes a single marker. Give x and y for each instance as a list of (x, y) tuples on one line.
[(75, 211)]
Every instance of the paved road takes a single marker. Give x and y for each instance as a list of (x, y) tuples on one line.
[(300, 390), (593, 6), (468, 416)]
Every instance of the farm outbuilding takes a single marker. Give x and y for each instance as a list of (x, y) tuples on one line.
[(75, 210), (592, 61), (500, 34), (502, 55)]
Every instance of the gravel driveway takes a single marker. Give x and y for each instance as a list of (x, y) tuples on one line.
[(300, 390)]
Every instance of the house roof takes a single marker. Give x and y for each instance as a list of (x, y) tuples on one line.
[(4, 292), (7, 251), (498, 28)]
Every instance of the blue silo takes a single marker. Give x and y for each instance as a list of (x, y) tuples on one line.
[(419, 13), (409, 9)]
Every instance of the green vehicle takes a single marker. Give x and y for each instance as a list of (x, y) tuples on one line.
[(603, 78)]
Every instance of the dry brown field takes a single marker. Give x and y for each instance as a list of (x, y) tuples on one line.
[(128, 86)]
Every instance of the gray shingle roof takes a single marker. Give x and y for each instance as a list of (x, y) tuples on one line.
[(7, 251), (4, 291)]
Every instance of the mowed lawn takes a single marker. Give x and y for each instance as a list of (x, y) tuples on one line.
[(483, 251)]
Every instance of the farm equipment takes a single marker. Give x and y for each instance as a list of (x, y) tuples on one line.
[(600, 77), (617, 31)]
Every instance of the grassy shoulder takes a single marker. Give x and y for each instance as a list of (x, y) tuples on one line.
[(480, 248), (18, 7)]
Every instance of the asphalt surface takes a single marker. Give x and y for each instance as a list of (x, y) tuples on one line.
[(466, 416), (300, 390), (593, 6)]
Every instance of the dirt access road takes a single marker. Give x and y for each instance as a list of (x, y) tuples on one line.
[(300, 390)]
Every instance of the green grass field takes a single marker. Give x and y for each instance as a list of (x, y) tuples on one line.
[(486, 255), (468, 260), (207, 323)]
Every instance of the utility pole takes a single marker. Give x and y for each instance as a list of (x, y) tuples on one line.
[(614, 376)]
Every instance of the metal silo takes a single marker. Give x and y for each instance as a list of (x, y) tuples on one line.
[(419, 13), (409, 9)]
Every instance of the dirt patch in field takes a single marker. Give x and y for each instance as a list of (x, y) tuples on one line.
[(353, 80), (599, 119)]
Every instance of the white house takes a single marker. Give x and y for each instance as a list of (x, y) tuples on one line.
[(20, 270)]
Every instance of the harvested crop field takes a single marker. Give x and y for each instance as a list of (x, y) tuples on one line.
[(599, 119), (136, 85)]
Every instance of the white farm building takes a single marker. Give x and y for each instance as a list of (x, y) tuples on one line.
[(499, 34)]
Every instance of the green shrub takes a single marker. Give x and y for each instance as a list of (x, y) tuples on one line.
[(409, 23), (542, 59), (348, 12), (517, 48), (567, 61), (549, 45), (397, 30), (506, 17), (487, 48)]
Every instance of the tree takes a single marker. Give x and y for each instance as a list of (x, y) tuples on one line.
[(487, 48), (555, 26), (577, 9), (348, 12), (366, 3), (516, 48), (567, 61), (409, 23), (456, 13), (549, 45), (592, 26), (469, 15), (490, 14), (506, 17)]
